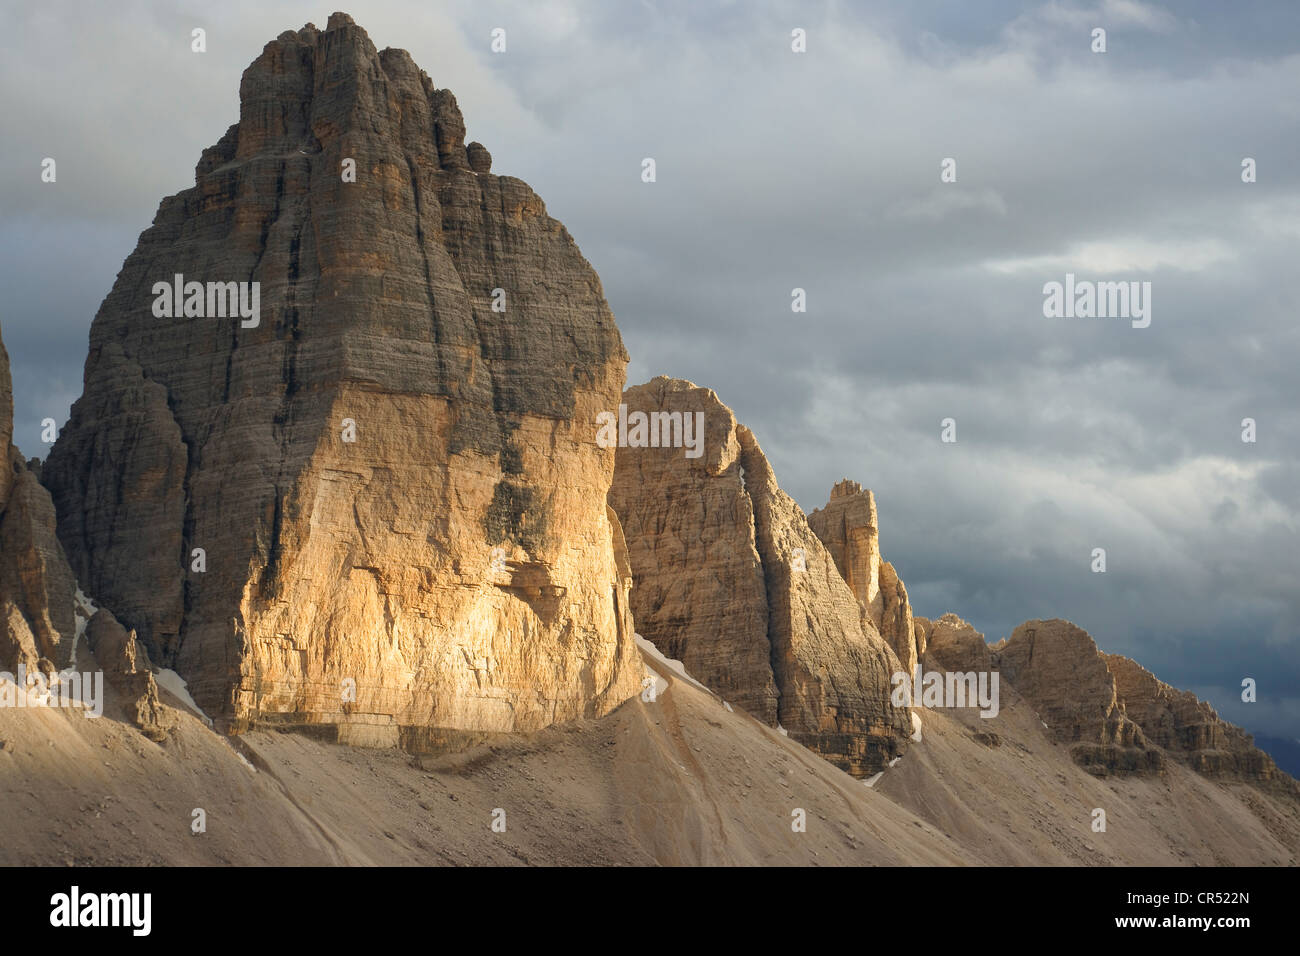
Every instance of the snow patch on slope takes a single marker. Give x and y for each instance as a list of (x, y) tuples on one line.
[(676, 667), (175, 685), (83, 609)]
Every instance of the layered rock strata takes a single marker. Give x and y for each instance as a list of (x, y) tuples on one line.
[(1190, 730), (730, 579), (1057, 667), (376, 505), (849, 529), (37, 623), (951, 644), (126, 666)]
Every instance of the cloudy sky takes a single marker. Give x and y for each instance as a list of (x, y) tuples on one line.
[(821, 170)]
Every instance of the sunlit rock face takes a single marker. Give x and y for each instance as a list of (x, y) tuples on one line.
[(849, 528), (1058, 668), (377, 504), (1192, 731), (730, 579)]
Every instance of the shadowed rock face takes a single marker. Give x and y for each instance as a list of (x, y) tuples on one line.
[(730, 579), (126, 666), (37, 624), (349, 463)]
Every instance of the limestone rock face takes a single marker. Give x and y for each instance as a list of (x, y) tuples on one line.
[(1191, 730), (380, 506), (730, 579), (952, 644), (699, 592), (118, 477), (37, 624), (34, 575), (126, 666), (921, 628), (895, 624), (849, 529), (1057, 667), (480, 160)]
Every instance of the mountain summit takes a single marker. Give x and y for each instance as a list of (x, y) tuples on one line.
[(332, 461)]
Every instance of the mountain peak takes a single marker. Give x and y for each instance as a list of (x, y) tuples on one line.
[(347, 379)]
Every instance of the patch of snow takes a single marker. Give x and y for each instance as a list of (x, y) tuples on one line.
[(728, 706), (1045, 727), (676, 667), (894, 761), (83, 609), (660, 682), (916, 727), (244, 761), (782, 731), (174, 684), (84, 604), (874, 779)]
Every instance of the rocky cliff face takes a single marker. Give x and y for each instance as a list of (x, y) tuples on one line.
[(376, 504), (1190, 729), (126, 665), (849, 528), (1058, 668), (1118, 717), (730, 579), (699, 589), (951, 644), (37, 624)]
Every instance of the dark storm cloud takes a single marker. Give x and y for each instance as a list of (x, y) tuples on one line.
[(821, 171)]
